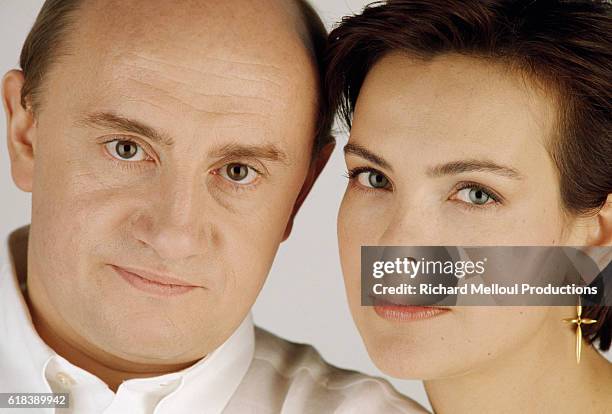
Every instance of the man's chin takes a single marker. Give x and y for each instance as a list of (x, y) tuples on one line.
[(159, 355), (145, 339), (148, 350)]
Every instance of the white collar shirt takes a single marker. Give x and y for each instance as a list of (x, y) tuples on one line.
[(253, 371), (27, 364)]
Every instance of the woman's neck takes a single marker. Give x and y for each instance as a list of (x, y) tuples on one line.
[(542, 376)]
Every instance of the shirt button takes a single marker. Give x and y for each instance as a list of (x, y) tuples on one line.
[(64, 379)]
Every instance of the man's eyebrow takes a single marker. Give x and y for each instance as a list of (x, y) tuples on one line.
[(265, 151), (473, 165), (109, 120), (365, 153)]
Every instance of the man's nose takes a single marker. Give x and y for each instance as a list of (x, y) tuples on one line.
[(174, 225)]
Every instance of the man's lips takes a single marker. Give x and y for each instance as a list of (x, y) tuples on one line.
[(159, 284), (162, 279)]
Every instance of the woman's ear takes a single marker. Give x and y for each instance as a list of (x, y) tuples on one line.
[(600, 233), (21, 130)]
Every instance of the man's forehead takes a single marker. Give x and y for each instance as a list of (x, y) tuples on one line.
[(193, 73), (263, 25), (221, 94), (218, 100), (167, 44), (206, 83)]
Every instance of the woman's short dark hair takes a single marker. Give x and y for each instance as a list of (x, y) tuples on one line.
[(565, 46)]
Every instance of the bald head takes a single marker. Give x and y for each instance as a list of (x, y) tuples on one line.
[(281, 32)]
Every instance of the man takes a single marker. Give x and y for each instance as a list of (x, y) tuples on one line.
[(167, 146)]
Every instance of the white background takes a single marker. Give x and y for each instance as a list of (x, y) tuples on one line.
[(303, 299)]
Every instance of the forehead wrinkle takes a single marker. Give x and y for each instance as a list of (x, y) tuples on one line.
[(219, 110), (190, 87), (223, 68), (212, 91)]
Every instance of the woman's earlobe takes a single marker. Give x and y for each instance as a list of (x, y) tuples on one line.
[(21, 130), (605, 223), (600, 233)]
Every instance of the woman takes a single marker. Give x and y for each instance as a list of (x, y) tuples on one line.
[(479, 123)]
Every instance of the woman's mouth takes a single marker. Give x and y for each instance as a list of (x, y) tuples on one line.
[(406, 313)]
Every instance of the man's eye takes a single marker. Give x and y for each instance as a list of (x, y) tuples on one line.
[(475, 195), (238, 173), (373, 179), (125, 150)]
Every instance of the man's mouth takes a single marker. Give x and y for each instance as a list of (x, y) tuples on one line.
[(155, 283)]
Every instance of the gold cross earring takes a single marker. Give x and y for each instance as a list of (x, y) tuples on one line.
[(579, 321)]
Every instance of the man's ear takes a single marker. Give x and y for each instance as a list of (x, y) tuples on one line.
[(600, 233), (316, 166), (20, 130)]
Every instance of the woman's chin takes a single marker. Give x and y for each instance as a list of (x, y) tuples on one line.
[(406, 359), (415, 350)]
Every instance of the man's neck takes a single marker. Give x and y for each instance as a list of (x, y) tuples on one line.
[(542, 376), (110, 369)]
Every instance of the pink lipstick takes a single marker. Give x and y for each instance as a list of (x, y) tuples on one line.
[(407, 313)]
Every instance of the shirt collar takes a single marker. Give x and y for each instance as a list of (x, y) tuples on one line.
[(208, 384)]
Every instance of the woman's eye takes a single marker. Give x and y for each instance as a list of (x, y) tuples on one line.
[(125, 150), (372, 179), (475, 195), (238, 173)]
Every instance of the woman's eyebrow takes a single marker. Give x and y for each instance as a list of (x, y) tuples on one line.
[(473, 165), (448, 168), (365, 153)]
